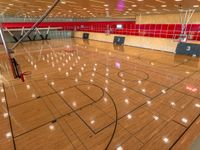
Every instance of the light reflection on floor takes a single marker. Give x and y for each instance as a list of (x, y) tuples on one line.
[(91, 95)]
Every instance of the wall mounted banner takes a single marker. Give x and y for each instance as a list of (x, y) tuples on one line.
[(188, 49), (119, 40), (86, 36)]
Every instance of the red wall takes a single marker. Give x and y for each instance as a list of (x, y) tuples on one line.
[(30, 24), (130, 28), (67, 24)]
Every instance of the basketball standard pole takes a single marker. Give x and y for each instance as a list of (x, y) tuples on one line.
[(36, 24), (8, 52), (14, 66)]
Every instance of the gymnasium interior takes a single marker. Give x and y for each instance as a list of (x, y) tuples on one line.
[(99, 75)]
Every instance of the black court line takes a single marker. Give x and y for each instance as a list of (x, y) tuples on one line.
[(9, 118), (66, 123), (75, 134), (141, 105), (118, 118), (52, 121), (167, 88), (177, 82), (74, 111), (183, 79), (124, 71), (197, 97), (138, 57), (155, 134), (184, 132), (58, 123), (116, 124), (126, 86), (143, 65), (172, 119), (180, 123), (15, 86), (90, 104), (177, 100), (96, 132), (149, 76), (115, 127), (20, 83), (137, 76)]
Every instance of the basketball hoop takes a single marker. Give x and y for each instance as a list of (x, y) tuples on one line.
[(17, 73), (108, 30), (185, 17), (26, 75), (183, 37)]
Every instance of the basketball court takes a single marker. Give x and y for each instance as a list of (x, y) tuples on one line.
[(99, 75)]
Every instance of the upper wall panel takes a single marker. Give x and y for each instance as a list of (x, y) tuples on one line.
[(165, 19)]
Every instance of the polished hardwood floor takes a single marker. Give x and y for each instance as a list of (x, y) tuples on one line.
[(93, 95)]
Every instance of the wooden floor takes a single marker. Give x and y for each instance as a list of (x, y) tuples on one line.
[(90, 95)]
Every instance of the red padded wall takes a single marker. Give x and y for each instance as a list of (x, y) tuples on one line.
[(129, 28)]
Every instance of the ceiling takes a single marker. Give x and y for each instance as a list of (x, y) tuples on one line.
[(94, 8)]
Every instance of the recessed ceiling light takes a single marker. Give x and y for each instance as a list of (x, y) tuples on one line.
[(165, 140), (163, 5), (119, 148), (184, 120), (8, 135), (160, 1), (92, 122), (51, 127), (129, 116), (155, 117), (63, 2), (195, 6), (197, 105)]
